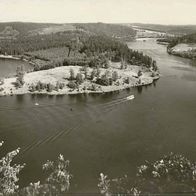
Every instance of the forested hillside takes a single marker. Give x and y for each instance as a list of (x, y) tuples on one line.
[(51, 45), (17, 38), (37, 42), (24, 28), (111, 30)]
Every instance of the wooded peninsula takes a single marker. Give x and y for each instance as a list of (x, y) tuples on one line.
[(74, 58)]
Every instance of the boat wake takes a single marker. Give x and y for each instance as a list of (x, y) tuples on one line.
[(92, 111)]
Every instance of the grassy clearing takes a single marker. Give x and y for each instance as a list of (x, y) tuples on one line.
[(54, 29)]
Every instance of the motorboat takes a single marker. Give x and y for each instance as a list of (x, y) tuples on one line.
[(131, 97), (36, 104)]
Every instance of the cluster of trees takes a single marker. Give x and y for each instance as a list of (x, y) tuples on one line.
[(46, 86), (107, 78), (76, 80), (20, 76)]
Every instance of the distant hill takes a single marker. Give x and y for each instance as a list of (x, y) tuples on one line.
[(172, 29), (31, 29), (25, 37), (23, 28), (188, 38), (111, 30), (9, 32)]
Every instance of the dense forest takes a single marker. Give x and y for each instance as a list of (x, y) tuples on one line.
[(89, 44), (17, 38), (114, 50), (111, 30), (96, 51)]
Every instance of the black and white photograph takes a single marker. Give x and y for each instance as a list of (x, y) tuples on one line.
[(97, 97)]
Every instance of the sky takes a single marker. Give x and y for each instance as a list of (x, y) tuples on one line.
[(109, 11)]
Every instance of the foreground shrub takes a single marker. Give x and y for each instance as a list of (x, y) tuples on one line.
[(170, 174), (57, 181), (9, 173)]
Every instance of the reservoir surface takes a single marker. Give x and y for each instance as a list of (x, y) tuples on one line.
[(104, 133), (8, 67)]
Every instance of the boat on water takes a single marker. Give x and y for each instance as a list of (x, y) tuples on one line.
[(131, 97), (36, 104)]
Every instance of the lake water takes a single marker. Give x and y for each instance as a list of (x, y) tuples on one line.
[(105, 133), (8, 67)]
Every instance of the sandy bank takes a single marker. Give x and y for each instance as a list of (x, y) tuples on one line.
[(62, 74)]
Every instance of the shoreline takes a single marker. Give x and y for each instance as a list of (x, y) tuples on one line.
[(61, 74), (2, 56), (18, 57), (56, 93)]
